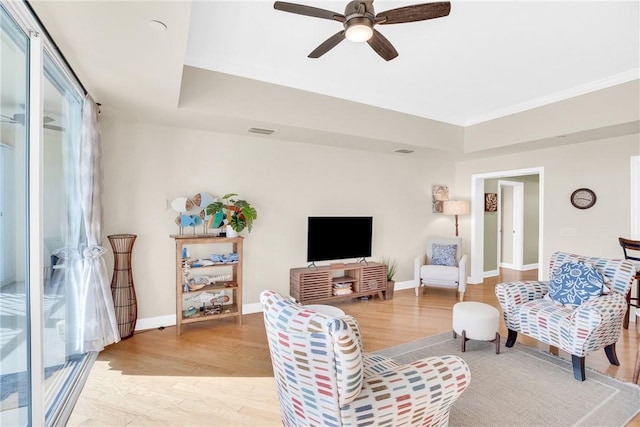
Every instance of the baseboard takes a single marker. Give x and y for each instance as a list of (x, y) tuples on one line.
[(523, 268), (170, 320), (491, 273), (407, 284), (155, 322)]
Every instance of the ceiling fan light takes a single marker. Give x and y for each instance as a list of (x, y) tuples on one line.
[(359, 32)]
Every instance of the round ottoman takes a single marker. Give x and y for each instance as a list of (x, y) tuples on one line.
[(476, 321)]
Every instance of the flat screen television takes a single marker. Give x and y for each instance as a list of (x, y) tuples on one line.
[(338, 237)]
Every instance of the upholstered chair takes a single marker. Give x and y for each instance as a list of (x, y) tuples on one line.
[(324, 378), (594, 322), (442, 266)]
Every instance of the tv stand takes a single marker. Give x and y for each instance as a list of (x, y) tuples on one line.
[(338, 282)]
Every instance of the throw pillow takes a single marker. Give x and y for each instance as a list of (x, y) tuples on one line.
[(574, 283), (443, 254)]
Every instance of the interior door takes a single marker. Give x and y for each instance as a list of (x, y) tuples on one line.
[(510, 224)]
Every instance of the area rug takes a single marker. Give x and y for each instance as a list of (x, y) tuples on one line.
[(522, 386)]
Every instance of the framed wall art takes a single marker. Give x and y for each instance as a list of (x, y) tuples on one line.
[(440, 193), (490, 202)]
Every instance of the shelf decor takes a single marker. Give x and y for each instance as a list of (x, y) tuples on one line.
[(122, 286)]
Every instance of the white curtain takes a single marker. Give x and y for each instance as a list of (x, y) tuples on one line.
[(98, 319)]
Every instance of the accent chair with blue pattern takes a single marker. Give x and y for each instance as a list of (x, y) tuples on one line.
[(324, 378), (591, 326)]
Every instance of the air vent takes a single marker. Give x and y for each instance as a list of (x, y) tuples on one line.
[(403, 151), (261, 131)]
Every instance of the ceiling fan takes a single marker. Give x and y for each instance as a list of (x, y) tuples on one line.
[(359, 19), (19, 118)]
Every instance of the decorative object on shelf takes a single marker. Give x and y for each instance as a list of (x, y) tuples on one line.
[(456, 207), (238, 213), (392, 266), (583, 198), (490, 202), (440, 194), (201, 201), (122, 287), (182, 204)]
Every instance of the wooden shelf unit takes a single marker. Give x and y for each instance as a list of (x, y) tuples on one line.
[(203, 245), (310, 285)]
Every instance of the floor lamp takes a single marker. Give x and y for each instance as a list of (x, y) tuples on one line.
[(456, 207)]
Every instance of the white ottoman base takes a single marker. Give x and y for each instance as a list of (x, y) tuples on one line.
[(476, 321)]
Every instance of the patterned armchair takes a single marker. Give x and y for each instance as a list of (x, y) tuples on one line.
[(590, 326), (324, 378)]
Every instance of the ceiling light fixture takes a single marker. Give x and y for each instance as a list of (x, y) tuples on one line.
[(157, 25), (359, 30)]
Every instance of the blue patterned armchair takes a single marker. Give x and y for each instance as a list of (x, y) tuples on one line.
[(580, 330), (324, 378)]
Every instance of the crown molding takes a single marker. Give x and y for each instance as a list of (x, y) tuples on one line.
[(556, 97)]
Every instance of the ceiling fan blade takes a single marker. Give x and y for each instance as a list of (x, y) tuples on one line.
[(301, 9), (327, 45), (418, 12), (382, 46)]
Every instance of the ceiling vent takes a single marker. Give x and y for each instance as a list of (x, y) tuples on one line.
[(261, 131), (403, 151)]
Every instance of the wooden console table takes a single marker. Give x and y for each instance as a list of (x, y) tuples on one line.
[(327, 283)]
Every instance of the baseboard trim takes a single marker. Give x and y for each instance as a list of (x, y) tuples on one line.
[(170, 320), (491, 273), (155, 322), (407, 284)]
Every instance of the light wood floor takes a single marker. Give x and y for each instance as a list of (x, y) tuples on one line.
[(219, 373)]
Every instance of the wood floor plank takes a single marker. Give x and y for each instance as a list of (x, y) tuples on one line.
[(219, 373)]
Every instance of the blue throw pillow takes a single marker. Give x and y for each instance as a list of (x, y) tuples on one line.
[(574, 283), (443, 254)]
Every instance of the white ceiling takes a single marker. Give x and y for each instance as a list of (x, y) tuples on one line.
[(484, 60), (230, 65)]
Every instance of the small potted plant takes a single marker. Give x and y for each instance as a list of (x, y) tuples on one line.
[(236, 214), (392, 266)]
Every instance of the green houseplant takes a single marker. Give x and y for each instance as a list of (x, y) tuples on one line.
[(392, 267), (231, 211)]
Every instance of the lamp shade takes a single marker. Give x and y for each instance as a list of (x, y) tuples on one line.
[(455, 207)]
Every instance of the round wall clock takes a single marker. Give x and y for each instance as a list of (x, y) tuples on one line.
[(583, 198)]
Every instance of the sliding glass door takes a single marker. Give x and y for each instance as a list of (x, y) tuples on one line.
[(62, 233), (41, 233), (14, 289)]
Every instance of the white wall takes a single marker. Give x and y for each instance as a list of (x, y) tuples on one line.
[(145, 165), (601, 165)]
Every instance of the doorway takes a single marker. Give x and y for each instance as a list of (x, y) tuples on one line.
[(478, 214)]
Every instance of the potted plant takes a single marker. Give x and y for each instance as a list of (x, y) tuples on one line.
[(236, 214), (392, 266)]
